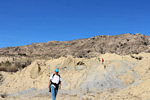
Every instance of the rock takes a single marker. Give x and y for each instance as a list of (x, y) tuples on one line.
[(1, 79), (35, 72)]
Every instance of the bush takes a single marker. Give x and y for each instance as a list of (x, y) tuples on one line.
[(22, 64), (22, 54), (12, 69), (5, 64), (8, 67)]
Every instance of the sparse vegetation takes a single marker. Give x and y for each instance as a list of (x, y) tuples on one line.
[(43, 57), (22, 54), (14, 66), (8, 67)]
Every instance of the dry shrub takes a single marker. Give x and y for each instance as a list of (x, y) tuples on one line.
[(14, 66), (8, 67), (22, 64), (12, 69)]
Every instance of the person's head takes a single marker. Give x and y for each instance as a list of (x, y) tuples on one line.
[(56, 71)]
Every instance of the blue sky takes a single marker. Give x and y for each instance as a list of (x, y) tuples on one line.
[(23, 22)]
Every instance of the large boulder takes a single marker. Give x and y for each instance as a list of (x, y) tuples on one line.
[(35, 71)]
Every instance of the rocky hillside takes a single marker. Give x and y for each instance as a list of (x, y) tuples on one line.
[(25, 70), (120, 44)]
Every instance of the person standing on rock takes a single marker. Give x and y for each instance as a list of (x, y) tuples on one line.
[(54, 84)]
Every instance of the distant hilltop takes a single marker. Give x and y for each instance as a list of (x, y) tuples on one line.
[(123, 44)]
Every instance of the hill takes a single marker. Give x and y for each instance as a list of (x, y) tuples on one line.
[(124, 44)]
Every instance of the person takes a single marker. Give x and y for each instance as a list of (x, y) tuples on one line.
[(54, 84), (102, 61)]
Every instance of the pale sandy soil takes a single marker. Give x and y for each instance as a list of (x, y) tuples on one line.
[(124, 78)]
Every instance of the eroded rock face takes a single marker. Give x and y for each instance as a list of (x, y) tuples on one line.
[(120, 44), (35, 71)]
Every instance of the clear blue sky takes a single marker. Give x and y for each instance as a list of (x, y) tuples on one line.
[(23, 22)]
